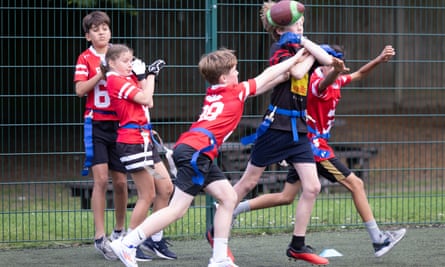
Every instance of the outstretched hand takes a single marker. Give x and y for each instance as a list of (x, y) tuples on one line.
[(387, 53), (339, 65)]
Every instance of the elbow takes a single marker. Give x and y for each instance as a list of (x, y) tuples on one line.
[(147, 102), (79, 93)]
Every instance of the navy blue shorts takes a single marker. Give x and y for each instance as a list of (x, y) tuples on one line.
[(134, 157), (332, 169), (182, 155), (275, 145), (104, 145)]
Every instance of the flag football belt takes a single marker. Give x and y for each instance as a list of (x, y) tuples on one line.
[(88, 137), (144, 134), (293, 114), (199, 178), (321, 153)]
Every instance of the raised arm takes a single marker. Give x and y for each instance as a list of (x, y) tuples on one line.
[(338, 68), (146, 77), (314, 49), (276, 74), (387, 53)]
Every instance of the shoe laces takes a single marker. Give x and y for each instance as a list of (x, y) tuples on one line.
[(162, 244)]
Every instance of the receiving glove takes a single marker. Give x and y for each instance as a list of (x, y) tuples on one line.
[(289, 38), (331, 51), (155, 67), (138, 68)]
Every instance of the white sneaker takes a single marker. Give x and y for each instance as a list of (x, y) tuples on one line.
[(224, 263), (103, 246), (392, 238), (126, 254)]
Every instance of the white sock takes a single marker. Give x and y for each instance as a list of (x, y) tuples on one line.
[(374, 232), (157, 236), (220, 249), (134, 238), (242, 207)]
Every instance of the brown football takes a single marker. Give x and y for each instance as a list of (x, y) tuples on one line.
[(285, 13)]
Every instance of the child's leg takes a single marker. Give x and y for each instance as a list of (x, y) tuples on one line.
[(120, 194), (159, 220), (227, 198), (311, 188), (146, 194), (285, 197)]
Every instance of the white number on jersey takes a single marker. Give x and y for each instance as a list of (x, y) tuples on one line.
[(101, 97), (211, 112)]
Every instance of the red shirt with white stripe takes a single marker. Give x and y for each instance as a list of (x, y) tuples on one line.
[(321, 108), (87, 66), (122, 90), (222, 110)]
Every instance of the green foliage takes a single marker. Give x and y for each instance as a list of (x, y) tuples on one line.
[(122, 4)]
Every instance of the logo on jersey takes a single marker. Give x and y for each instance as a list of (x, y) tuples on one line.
[(213, 98), (299, 87)]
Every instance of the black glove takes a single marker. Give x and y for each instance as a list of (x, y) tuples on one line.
[(155, 67), (138, 68)]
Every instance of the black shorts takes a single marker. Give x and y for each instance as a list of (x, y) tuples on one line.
[(332, 169), (134, 157), (182, 155), (275, 145), (104, 145)]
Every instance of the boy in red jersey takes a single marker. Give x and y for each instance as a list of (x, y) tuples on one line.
[(323, 97), (196, 149), (282, 134), (131, 86), (101, 124)]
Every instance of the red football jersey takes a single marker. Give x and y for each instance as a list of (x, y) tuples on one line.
[(87, 66), (122, 91), (222, 110), (321, 109)]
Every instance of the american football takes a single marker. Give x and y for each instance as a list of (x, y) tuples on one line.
[(285, 13)]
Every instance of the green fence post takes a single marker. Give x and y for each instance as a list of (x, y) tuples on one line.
[(211, 45)]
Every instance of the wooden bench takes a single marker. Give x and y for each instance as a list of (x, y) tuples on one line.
[(84, 190), (233, 158)]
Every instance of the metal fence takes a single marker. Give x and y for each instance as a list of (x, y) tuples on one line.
[(396, 114)]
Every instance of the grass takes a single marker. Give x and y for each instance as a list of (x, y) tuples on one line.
[(57, 218)]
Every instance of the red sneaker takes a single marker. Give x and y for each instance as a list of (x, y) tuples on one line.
[(209, 237), (306, 253)]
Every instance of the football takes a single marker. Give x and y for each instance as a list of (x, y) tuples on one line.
[(285, 13)]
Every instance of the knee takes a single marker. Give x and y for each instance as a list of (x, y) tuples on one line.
[(120, 186), (230, 200), (356, 183), (146, 198), (312, 190)]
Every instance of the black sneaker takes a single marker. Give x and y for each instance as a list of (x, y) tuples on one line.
[(141, 256), (159, 248), (306, 253)]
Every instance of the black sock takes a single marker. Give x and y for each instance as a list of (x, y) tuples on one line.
[(297, 242), (99, 240)]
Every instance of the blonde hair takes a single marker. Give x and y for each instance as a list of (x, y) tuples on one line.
[(113, 53), (213, 65), (272, 29)]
